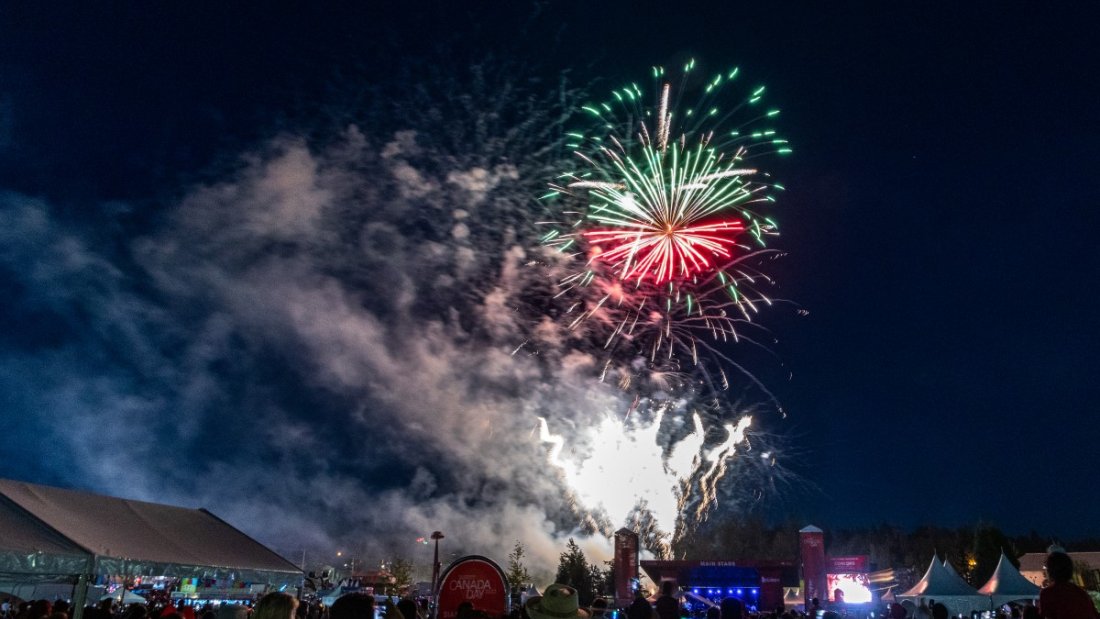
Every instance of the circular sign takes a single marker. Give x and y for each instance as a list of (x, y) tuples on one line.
[(476, 580)]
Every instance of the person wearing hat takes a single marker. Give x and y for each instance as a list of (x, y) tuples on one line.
[(558, 601)]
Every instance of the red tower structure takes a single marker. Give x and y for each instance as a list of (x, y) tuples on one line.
[(626, 566), (812, 546)]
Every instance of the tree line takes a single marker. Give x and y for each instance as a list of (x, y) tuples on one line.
[(972, 550)]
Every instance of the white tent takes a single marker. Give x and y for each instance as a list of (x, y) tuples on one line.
[(944, 585), (124, 597), (54, 535), (1008, 585), (951, 570)]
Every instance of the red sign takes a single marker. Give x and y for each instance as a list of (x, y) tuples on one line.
[(476, 580), (848, 565)]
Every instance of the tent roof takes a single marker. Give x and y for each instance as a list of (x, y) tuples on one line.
[(142, 532), (939, 581), (29, 547), (1007, 581), (26, 535)]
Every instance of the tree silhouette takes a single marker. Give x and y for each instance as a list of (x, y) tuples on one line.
[(518, 577), (575, 571)]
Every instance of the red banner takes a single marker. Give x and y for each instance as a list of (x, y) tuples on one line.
[(856, 564), (476, 580)]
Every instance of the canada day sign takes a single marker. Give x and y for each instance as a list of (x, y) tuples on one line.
[(476, 580)]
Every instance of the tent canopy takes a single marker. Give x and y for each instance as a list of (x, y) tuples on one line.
[(29, 548), (946, 586), (129, 537), (940, 582), (1007, 584)]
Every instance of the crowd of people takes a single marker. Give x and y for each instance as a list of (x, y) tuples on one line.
[(1060, 599)]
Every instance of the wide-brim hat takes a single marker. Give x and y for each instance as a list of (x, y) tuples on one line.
[(557, 602)]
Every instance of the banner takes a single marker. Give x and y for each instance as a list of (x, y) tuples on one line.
[(856, 564)]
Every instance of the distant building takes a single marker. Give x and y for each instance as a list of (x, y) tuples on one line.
[(1087, 574)]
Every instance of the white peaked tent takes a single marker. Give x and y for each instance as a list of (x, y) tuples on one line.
[(951, 570), (944, 585), (1008, 585)]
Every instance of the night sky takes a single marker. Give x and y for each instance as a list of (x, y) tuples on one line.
[(173, 331)]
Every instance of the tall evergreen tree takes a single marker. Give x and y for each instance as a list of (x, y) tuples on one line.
[(401, 570), (518, 577), (574, 570)]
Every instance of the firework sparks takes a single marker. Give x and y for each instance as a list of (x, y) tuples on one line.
[(624, 466), (662, 227), (665, 217)]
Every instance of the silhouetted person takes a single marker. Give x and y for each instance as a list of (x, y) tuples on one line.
[(732, 608), (228, 611), (1062, 599), (352, 606), (40, 609), (275, 605), (465, 610), (639, 609), (667, 606)]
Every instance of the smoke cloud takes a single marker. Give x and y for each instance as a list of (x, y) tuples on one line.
[(335, 343), (317, 346)]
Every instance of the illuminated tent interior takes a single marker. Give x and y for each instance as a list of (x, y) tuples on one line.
[(66, 536), (1008, 585)]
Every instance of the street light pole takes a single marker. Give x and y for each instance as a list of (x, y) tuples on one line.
[(436, 535)]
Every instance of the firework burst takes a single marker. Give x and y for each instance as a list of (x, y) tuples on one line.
[(666, 217), (662, 229)]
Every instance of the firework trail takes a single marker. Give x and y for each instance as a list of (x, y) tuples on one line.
[(662, 226)]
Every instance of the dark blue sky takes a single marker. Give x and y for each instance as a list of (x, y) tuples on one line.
[(941, 217)]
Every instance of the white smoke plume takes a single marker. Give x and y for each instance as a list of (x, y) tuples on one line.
[(317, 346), (340, 342)]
